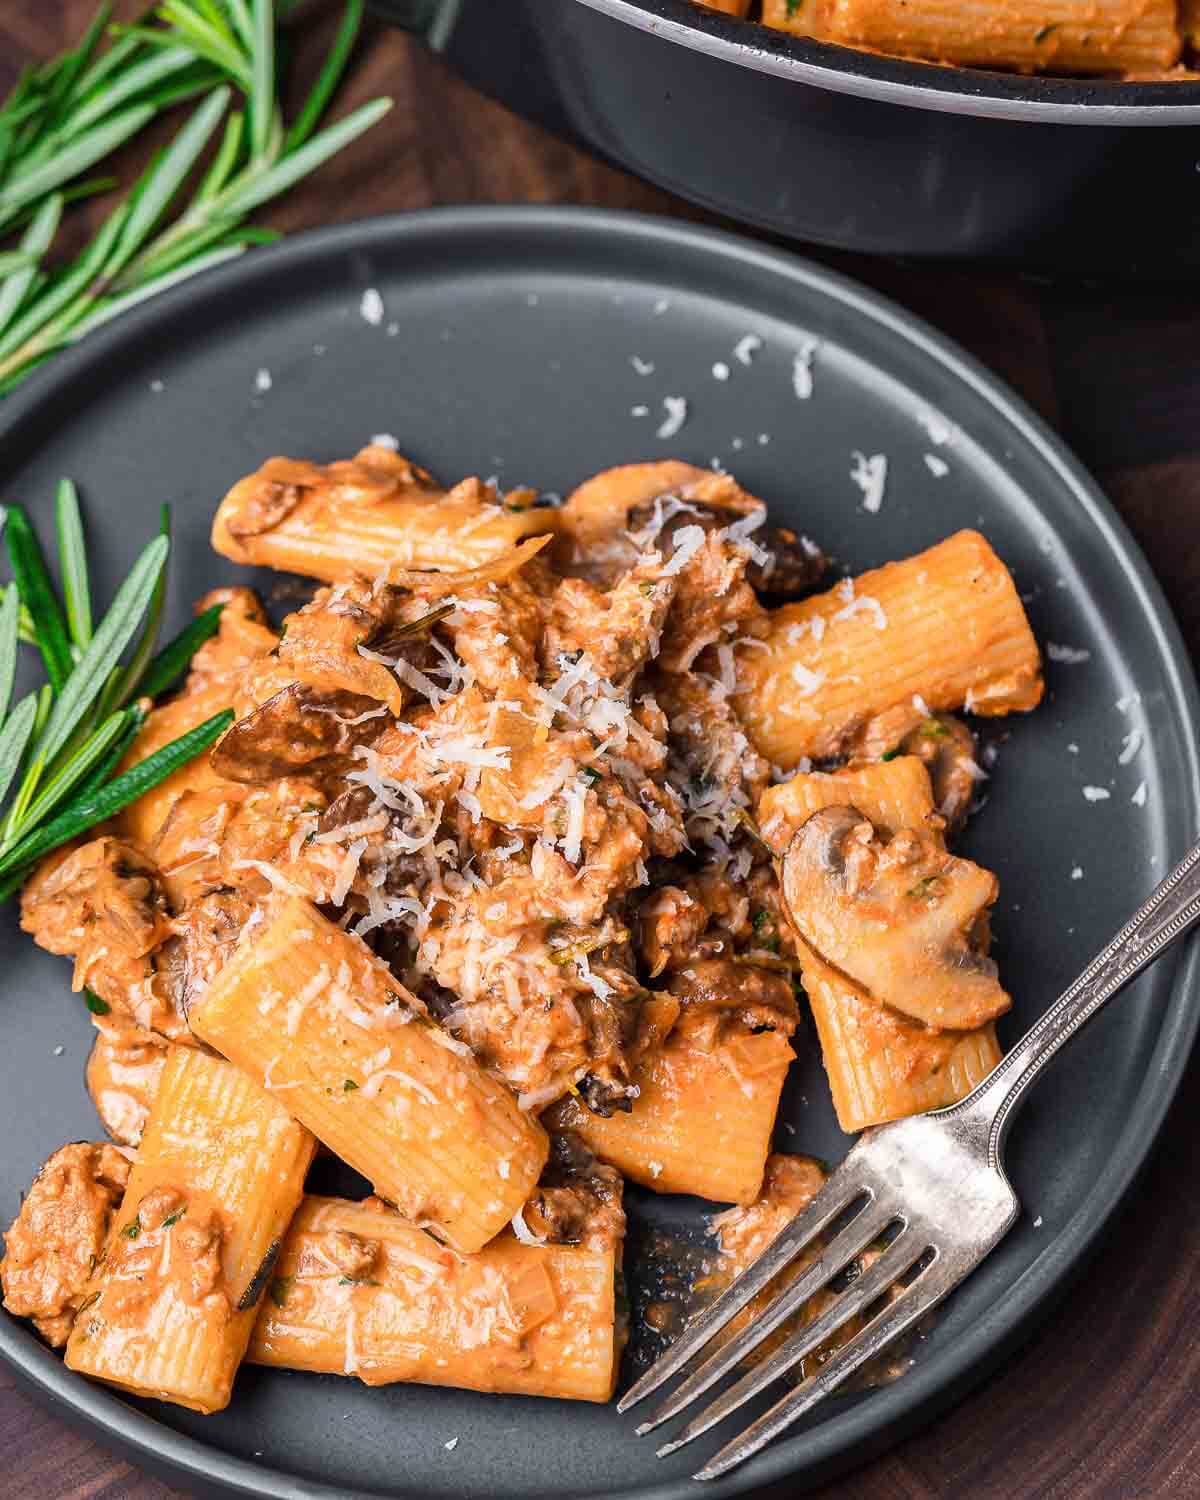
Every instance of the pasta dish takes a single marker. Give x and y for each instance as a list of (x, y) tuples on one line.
[(535, 829), (1117, 38)]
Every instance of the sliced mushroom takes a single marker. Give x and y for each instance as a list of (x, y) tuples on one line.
[(296, 730), (899, 916), (608, 520), (947, 747)]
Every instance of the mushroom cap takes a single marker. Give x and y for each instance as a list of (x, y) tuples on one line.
[(900, 917)]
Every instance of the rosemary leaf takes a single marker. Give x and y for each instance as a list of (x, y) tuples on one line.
[(328, 78), (175, 656), (134, 81), (27, 336), (44, 705), (14, 737), (22, 188), (135, 716), (86, 812), (243, 21), (224, 161), (72, 772), (163, 178), (10, 625), (34, 243), (286, 173), (72, 559), (131, 677), (109, 310), (207, 40), (25, 624), (37, 594), (262, 87), (104, 649)]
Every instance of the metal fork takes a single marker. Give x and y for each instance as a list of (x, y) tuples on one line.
[(936, 1182)]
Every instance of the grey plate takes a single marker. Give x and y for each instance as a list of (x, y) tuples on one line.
[(506, 348)]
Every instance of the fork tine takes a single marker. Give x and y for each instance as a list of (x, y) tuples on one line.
[(914, 1301), (837, 1194), (857, 1235), (900, 1255)]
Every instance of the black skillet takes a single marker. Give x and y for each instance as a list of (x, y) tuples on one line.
[(825, 143)]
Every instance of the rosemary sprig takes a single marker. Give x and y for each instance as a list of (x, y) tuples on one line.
[(64, 118), (60, 747), (98, 806)]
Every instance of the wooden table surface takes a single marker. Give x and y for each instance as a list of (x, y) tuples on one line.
[(1105, 1399)]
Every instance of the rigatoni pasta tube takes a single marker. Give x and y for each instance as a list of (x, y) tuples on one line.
[(881, 1065), (893, 794), (359, 1291), (373, 514), (702, 1122), (218, 1176), (311, 1013), (946, 627), (1068, 36)]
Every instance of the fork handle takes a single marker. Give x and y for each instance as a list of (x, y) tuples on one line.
[(1171, 911)]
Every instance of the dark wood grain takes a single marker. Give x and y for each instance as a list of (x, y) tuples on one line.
[(1104, 1400)]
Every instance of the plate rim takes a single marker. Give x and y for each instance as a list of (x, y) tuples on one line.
[(924, 1390)]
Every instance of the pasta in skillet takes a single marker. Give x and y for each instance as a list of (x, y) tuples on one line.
[(1115, 38), (534, 829)]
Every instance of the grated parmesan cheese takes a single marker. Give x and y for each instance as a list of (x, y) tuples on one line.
[(575, 796), (666, 508), (1131, 743), (870, 475), (940, 431), (272, 875), (746, 348), (414, 678), (270, 1083), (471, 803), (806, 679), (347, 871), (676, 408), (802, 367), (599, 987), (375, 1082), (687, 541), (864, 604), (1069, 655)]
